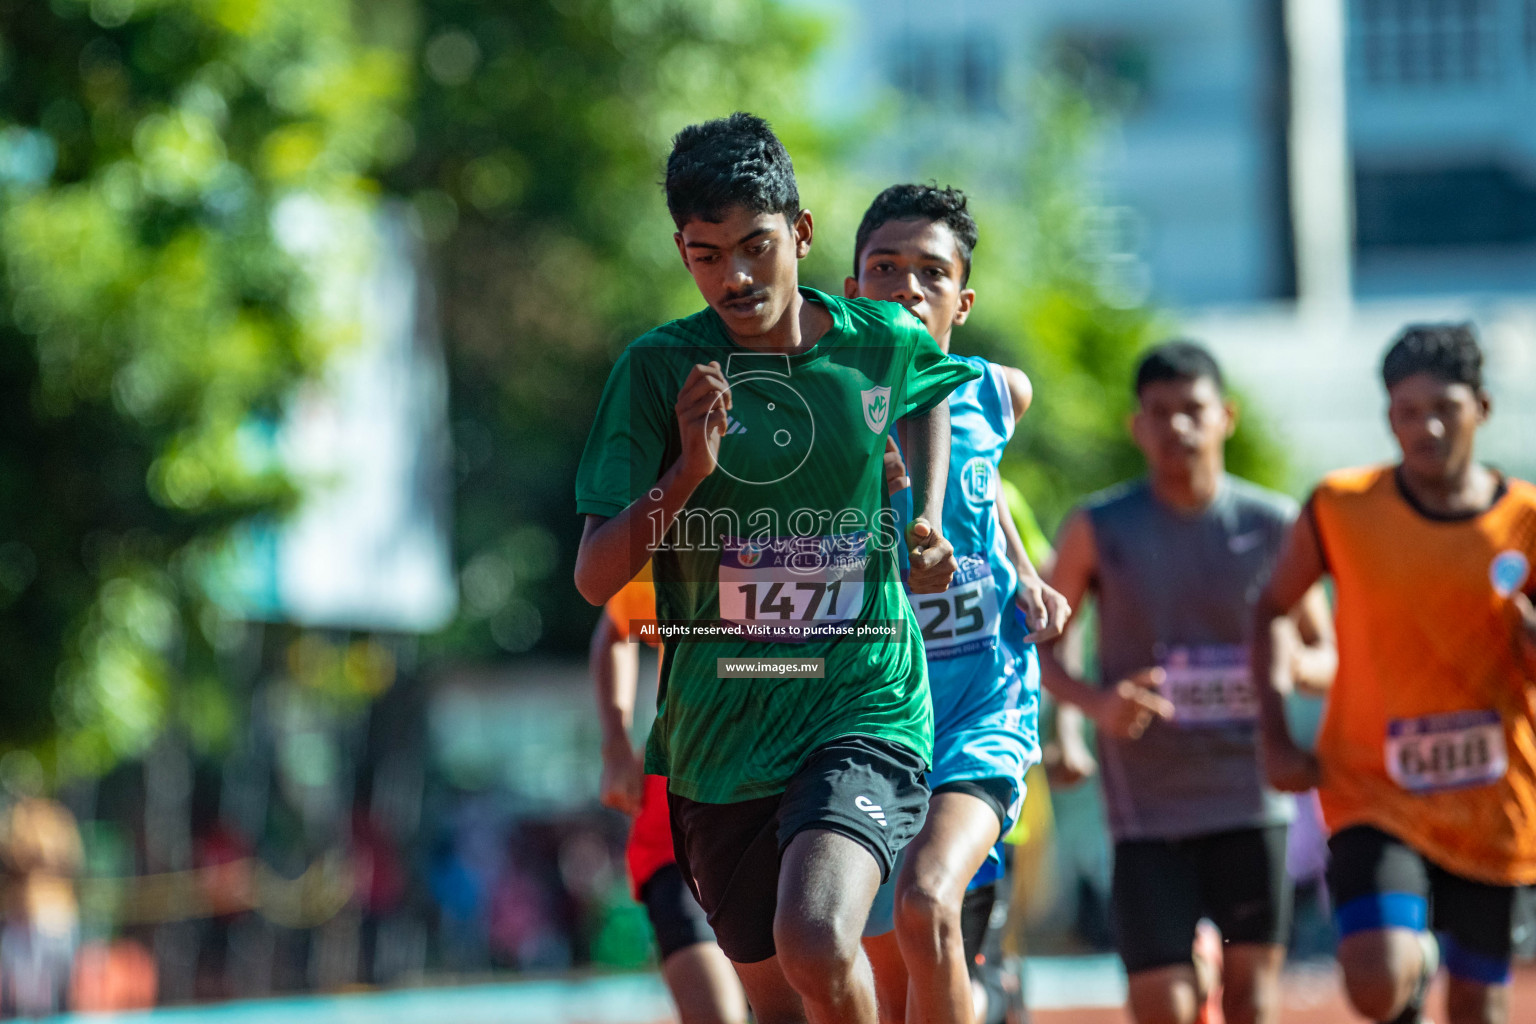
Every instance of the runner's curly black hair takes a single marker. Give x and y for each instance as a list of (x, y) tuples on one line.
[(1179, 359), (728, 162), (1448, 351), (920, 202)]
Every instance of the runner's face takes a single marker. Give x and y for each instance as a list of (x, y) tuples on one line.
[(916, 263), (746, 265), (1435, 423), (1180, 424)]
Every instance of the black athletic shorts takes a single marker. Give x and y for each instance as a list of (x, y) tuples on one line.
[(996, 793), (867, 789), (676, 917), (1379, 881), (1163, 887)]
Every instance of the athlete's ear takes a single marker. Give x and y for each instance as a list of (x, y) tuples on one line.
[(1484, 405), (850, 287), (967, 299), (803, 227), (682, 250), (1231, 407)]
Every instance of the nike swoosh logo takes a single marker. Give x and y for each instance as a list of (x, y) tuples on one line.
[(1244, 542)]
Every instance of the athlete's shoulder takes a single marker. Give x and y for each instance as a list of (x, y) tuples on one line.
[(1115, 497), (1359, 482), (1250, 495), (1522, 491), (874, 314), (984, 365), (684, 332)]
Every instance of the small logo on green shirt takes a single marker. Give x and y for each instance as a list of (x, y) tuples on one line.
[(877, 407)]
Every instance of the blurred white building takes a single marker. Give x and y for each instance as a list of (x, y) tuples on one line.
[(1442, 129), (1430, 137)]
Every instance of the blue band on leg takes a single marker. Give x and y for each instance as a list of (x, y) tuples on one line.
[(1469, 965), (1383, 910)]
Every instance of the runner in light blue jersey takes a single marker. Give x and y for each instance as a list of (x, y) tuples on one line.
[(914, 247)]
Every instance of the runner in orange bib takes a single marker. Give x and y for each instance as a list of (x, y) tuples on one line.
[(703, 985), (1426, 764)]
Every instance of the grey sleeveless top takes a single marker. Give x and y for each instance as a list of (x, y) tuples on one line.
[(1177, 590)]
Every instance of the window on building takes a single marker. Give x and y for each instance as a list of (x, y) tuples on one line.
[(1114, 71), (981, 73), (1529, 34), (952, 72), (1396, 43), (1468, 205)]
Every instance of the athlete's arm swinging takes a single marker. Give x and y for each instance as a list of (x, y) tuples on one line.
[(1313, 656), (1522, 603), (615, 665), (1297, 570), (613, 550), (1021, 392), (1045, 610), (1128, 706), (926, 436)]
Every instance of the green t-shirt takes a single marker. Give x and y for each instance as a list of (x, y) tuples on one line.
[(792, 532)]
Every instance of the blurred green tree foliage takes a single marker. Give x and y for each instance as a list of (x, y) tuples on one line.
[(541, 134), (150, 322)]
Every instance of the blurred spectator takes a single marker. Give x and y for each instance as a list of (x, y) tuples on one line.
[(41, 852), (114, 976)]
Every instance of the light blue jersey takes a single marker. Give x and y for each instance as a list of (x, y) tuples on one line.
[(985, 680)]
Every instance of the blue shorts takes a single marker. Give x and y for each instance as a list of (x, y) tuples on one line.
[(986, 718), (986, 727)]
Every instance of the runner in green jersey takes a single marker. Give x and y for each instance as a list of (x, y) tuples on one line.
[(741, 448)]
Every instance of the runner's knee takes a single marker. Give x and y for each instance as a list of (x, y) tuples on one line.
[(927, 906), (818, 955), (1164, 995), (1380, 970), (1470, 1002)]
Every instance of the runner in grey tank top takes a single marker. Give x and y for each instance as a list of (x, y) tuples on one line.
[(1174, 564), (1174, 590)]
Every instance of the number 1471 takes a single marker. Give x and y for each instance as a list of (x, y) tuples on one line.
[(778, 599)]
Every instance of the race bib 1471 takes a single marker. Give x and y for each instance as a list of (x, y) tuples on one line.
[(781, 588), (1450, 751)]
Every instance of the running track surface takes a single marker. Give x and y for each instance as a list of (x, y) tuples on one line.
[(1063, 990), (1312, 996)]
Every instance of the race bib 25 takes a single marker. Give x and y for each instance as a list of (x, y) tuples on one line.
[(962, 619)]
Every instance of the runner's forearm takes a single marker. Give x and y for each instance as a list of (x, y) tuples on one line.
[(1065, 686), (1315, 660), (927, 436), (1014, 543), (615, 675), (1267, 669), (615, 550)]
